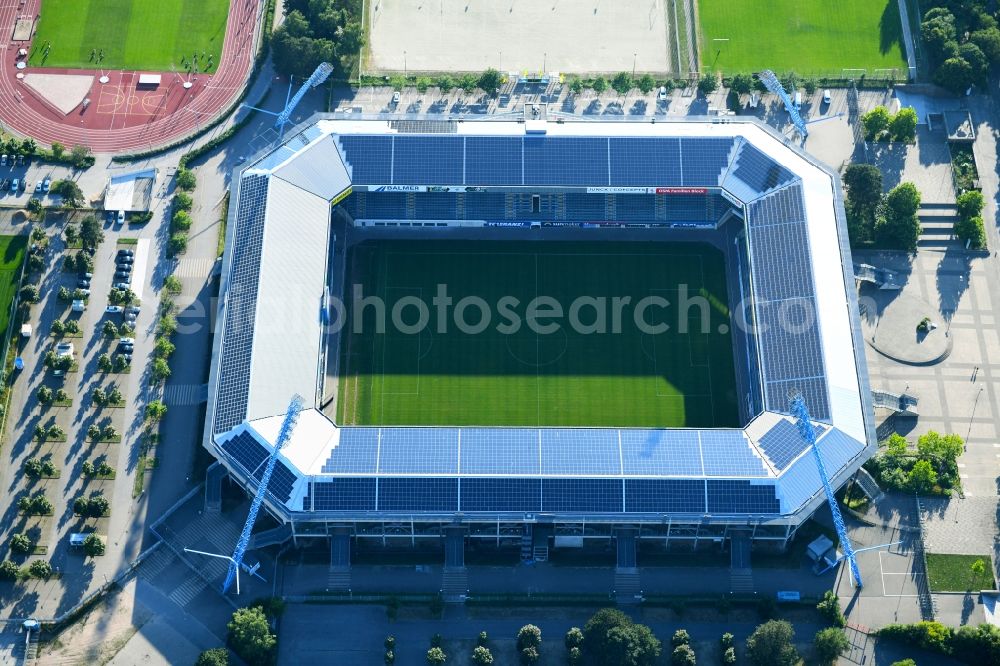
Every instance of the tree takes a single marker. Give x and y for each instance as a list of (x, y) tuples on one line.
[(482, 656), (903, 126), (600, 85), (44, 395), (595, 632), (172, 284), (829, 608), (108, 432), (955, 75), (726, 641), (104, 363), (436, 656), (58, 328), (185, 179), (490, 81), (98, 505), (529, 636), (250, 636), (977, 645), (708, 84), (58, 150), (896, 445), (114, 396), (70, 191), (922, 478), (876, 123), (155, 410), (32, 467), (622, 82), (160, 370), (574, 656), (770, 644), (938, 33), (163, 348), (680, 637), (988, 41), (904, 662), (181, 221), (633, 645), (729, 656), (9, 570), (40, 569), (829, 643), (20, 543), (60, 395), (28, 147), (683, 655), (468, 83), (183, 201), (530, 655), (574, 638), (34, 207), (973, 55), (933, 445), (213, 657), (646, 83), (742, 84), (167, 326), (91, 234), (29, 293), (80, 157), (99, 397), (120, 363), (898, 225), (978, 569), (177, 244), (93, 545), (109, 329)]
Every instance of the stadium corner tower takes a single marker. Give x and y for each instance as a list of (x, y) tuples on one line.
[(774, 213)]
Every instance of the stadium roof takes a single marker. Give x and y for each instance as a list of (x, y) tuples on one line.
[(269, 345)]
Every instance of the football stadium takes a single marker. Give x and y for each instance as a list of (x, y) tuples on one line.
[(536, 330)]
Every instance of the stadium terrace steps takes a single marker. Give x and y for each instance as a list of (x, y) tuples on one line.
[(454, 584), (628, 586), (339, 579)]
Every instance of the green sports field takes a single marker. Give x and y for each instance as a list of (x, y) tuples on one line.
[(810, 37), (516, 376), (135, 34), (11, 257)]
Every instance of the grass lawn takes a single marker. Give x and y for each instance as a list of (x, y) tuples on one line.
[(953, 573), (810, 37), (564, 377), (134, 34), (11, 255)]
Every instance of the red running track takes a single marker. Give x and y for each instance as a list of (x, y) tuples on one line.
[(121, 118)]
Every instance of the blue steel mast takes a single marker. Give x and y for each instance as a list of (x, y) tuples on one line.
[(808, 432), (322, 73), (772, 83), (291, 417)]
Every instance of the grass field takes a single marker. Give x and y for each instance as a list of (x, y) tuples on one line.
[(810, 37), (135, 34), (443, 376), (11, 256), (953, 573)]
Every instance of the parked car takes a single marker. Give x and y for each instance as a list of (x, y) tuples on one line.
[(45, 184), (826, 96), (110, 217), (132, 309), (121, 217), (87, 276), (122, 285), (78, 306), (126, 341), (83, 284), (662, 95), (125, 253), (123, 275), (64, 349), (125, 260), (3, 160), (14, 185), (113, 309)]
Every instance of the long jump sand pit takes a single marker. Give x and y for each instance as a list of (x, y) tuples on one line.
[(577, 36)]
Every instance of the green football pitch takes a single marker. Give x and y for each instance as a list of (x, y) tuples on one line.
[(134, 34), (810, 37), (11, 256), (627, 376)]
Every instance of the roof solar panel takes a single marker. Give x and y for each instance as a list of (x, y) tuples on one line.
[(703, 160), (356, 452), (418, 451), (759, 171), (340, 494), (645, 161), (369, 158), (582, 495), (567, 452), (246, 450), (512, 451), (781, 207), (501, 494), (785, 245), (728, 453), (428, 160), (782, 443), (664, 496), (494, 160), (418, 494), (661, 453), (566, 161)]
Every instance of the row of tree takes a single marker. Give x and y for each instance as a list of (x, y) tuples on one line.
[(962, 41), (880, 125), (316, 31)]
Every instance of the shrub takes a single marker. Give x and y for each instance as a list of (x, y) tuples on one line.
[(829, 608), (389, 642), (530, 655), (600, 84), (482, 656), (680, 637), (575, 656), (729, 656), (574, 638), (436, 656), (708, 84), (156, 410), (172, 284), (160, 370), (177, 244), (770, 644), (829, 644), (972, 231), (250, 636), (185, 179), (924, 635), (181, 221), (183, 201), (483, 639), (726, 641), (213, 657), (683, 655)]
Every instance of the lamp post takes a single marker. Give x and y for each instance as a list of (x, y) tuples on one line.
[(404, 64), (634, 56), (545, 60)]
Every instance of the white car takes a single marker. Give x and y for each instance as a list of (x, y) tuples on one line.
[(64, 349), (78, 306), (662, 95), (121, 217), (113, 309), (126, 341), (826, 96)]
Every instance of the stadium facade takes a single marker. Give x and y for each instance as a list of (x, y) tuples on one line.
[(775, 211)]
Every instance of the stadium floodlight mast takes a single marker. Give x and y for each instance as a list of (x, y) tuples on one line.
[(287, 425), (319, 75), (808, 432), (771, 82)]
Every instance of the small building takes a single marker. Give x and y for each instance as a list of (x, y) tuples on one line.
[(130, 192)]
